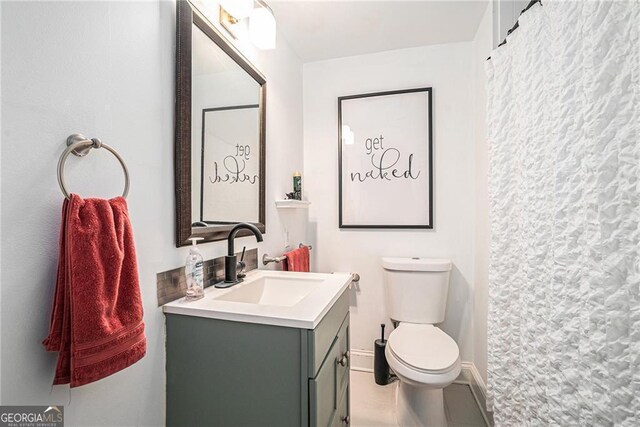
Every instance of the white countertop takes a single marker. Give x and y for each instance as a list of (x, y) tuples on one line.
[(306, 313)]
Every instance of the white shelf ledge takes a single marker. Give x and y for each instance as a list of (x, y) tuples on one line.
[(292, 204)]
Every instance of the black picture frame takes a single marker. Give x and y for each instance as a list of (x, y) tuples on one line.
[(429, 116)]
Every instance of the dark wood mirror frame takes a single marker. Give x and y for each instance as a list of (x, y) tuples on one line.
[(187, 16)]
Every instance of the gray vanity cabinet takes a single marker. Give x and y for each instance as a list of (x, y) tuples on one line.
[(227, 373), (328, 391)]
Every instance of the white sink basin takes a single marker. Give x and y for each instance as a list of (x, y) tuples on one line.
[(279, 291), (268, 297)]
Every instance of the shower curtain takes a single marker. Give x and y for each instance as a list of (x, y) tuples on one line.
[(564, 268)]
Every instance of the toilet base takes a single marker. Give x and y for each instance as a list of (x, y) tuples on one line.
[(419, 406)]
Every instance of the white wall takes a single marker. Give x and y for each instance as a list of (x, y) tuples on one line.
[(482, 45), (105, 69), (449, 70)]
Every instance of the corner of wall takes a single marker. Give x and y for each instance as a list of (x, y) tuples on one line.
[(482, 45)]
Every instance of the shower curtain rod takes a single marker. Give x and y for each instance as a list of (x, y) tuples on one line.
[(516, 25)]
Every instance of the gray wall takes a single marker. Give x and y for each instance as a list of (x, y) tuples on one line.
[(505, 14)]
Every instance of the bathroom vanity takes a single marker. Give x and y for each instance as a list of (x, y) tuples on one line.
[(272, 351)]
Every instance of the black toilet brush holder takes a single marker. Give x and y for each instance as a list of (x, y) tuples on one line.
[(381, 370)]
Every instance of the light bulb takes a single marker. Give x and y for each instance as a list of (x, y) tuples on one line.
[(348, 137), (262, 28)]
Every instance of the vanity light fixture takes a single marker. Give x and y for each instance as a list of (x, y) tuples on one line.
[(232, 15), (237, 9), (261, 25)]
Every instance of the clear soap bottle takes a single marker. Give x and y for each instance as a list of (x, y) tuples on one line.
[(193, 269)]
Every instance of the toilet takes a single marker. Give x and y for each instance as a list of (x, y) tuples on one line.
[(424, 358)]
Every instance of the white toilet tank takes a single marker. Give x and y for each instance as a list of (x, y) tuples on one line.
[(416, 289)]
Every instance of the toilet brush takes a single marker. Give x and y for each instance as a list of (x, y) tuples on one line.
[(380, 365)]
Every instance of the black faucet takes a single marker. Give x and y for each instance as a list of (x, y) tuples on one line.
[(231, 260)]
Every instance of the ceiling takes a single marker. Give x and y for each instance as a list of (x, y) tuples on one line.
[(318, 30)]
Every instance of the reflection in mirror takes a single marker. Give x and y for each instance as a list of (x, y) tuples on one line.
[(220, 133), (225, 137)]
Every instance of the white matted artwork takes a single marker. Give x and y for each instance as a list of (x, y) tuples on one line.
[(230, 164), (385, 159)]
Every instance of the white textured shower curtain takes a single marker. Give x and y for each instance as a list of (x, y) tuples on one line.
[(564, 273)]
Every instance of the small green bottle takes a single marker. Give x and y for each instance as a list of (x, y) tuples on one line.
[(297, 185)]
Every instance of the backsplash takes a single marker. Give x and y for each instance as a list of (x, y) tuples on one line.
[(172, 284)]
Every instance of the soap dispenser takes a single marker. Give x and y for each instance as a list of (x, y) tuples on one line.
[(193, 270)]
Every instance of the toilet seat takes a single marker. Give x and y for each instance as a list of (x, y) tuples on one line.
[(424, 348)]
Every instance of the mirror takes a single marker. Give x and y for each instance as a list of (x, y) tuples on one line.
[(220, 133)]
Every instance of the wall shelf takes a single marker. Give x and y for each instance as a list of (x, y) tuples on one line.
[(292, 204)]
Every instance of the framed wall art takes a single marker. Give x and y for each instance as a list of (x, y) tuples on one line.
[(385, 159)]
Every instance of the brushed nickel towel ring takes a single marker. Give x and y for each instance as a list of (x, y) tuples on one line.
[(81, 146)]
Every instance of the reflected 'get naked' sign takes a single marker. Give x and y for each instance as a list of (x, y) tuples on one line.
[(230, 164)]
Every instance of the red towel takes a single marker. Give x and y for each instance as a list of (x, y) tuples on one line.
[(297, 260), (96, 322)]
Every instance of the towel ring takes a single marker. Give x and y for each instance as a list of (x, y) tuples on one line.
[(81, 146)]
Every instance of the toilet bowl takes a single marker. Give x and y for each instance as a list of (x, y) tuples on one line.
[(426, 360)]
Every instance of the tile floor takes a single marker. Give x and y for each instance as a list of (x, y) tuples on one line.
[(374, 406)]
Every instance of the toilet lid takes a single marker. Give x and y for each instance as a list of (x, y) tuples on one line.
[(423, 347)]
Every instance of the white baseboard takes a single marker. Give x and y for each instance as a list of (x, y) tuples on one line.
[(362, 360), (470, 375)]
